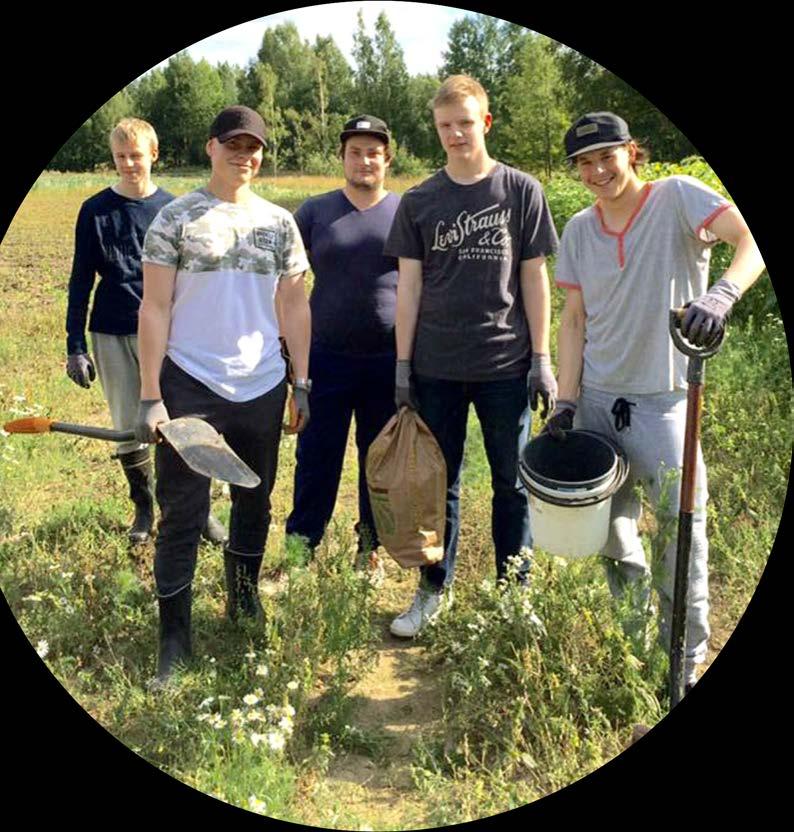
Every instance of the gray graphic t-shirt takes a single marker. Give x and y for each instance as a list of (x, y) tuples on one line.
[(471, 240), (229, 258)]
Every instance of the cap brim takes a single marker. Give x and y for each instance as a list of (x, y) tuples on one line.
[(377, 133), (597, 147), (224, 137)]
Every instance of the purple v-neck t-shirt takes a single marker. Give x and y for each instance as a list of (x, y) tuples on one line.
[(354, 298)]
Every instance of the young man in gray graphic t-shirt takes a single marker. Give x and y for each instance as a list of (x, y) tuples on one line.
[(473, 321)]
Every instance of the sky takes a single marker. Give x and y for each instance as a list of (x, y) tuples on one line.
[(421, 30)]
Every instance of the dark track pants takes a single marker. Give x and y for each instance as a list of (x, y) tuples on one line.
[(342, 386), (252, 429)]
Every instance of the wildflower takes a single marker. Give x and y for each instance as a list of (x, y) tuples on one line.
[(251, 699), (285, 723), (289, 710), (255, 716), (256, 805), (262, 670), (275, 740), (205, 703), (250, 656), (42, 648), (293, 685)]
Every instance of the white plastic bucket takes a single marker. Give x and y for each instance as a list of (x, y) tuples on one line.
[(570, 486)]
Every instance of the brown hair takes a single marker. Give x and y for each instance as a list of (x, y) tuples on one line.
[(456, 88), (134, 130)]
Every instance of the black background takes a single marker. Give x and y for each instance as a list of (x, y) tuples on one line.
[(723, 753)]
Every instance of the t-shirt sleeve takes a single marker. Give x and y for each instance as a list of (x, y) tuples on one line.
[(405, 239), (700, 205), (161, 243), (293, 254), (540, 235), (566, 271), (303, 219), (81, 282)]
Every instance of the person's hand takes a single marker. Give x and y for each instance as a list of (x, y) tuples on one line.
[(150, 413), (403, 387), (80, 369), (541, 383), (561, 420), (705, 317), (300, 396)]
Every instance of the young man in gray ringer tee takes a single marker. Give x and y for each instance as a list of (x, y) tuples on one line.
[(640, 250), (215, 260)]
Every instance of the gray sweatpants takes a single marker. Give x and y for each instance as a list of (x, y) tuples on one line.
[(654, 445), (116, 360)]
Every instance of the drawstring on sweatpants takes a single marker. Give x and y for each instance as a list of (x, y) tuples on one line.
[(621, 410)]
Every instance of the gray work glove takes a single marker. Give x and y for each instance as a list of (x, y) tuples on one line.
[(705, 318), (541, 383), (300, 396), (80, 369), (561, 420), (150, 413), (403, 387)]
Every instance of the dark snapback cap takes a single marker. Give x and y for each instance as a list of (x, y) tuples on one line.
[(594, 131), (236, 121), (365, 125)]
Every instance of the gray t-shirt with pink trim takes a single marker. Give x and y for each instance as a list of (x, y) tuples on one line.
[(631, 279)]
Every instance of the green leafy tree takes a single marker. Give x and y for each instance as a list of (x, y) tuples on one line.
[(185, 107), (292, 60), (258, 91), (382, 82), (593, 88), (487, 49), (89, 144), (533, 137)]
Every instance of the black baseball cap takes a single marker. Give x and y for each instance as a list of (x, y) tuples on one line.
[(365, 125), (236, 121), (594, 131)]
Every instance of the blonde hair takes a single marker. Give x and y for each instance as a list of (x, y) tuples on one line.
[(457, 88), (134, 130)]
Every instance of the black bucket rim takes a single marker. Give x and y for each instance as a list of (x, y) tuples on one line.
[(618, 471)]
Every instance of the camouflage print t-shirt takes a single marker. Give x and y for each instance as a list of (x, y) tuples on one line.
[(229, 258)]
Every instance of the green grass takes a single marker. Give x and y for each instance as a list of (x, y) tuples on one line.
[(532, 690)]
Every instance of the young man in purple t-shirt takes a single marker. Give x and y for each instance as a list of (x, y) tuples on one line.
[(352, 354), (473, 318)]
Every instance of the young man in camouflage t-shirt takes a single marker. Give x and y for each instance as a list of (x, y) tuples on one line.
[(214, 262)]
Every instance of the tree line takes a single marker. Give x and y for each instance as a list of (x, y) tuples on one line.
[(305, 92)]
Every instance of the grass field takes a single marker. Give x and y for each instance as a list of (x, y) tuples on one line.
[(322, 717)]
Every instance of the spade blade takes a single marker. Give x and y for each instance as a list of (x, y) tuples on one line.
[(205, 451)]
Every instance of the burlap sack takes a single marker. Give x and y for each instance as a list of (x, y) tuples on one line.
[(407, 481)]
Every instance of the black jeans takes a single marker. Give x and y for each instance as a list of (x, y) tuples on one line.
[(252, 429)]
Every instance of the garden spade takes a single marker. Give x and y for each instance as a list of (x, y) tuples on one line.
[(695, 379), (201, 447)]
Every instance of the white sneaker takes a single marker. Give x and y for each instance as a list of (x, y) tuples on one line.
[(425, 606)]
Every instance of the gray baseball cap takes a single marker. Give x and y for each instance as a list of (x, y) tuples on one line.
[(594, 131)]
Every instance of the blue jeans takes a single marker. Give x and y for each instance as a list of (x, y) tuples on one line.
[(342, 386), (501, 407)]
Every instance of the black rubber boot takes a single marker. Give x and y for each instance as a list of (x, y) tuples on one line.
[(242, 579), (175, 638), (137, 466), (214, 531)]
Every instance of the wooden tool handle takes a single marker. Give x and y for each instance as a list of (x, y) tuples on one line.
[(30, 424)]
